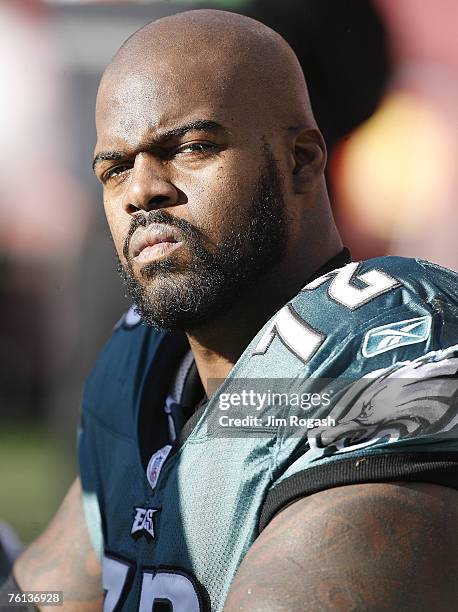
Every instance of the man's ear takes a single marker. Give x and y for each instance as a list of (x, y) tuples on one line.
[(309, 158)]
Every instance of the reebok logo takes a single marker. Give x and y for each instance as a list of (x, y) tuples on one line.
[(393, 335)]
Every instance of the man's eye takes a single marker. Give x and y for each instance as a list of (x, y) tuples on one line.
[(115, 173), (195, 147)]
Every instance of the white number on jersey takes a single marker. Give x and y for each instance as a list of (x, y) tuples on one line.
[(175, 588), (343, 290), (172, 587), (301, 339)]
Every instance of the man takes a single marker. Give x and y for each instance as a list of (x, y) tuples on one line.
[(212, 168)]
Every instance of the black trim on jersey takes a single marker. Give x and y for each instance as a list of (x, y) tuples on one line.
[(192, 408), (338, 261), (433, 467), (193, 392), (190, 424), (162, 605)]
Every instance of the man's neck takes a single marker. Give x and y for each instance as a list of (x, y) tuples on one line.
[(218, 344)]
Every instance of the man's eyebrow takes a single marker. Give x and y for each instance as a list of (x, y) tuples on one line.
[(202, 125), (107, 156)]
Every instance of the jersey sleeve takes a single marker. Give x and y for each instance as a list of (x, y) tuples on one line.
[(89, 478), (392, 376), (109, 414), (397, 424)]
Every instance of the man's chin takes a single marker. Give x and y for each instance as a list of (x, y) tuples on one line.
[(168, 301), (155, 270), (173, 310), (164, 320)]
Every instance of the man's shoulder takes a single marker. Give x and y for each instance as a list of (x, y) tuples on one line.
[(123, 367), (359, 283), (126, 347), (357, 318), (363, 292)]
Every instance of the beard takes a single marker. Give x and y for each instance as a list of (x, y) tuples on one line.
[(186, 296)]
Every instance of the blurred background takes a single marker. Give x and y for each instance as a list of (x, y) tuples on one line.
[(383, 81)]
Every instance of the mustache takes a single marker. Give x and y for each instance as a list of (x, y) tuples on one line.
[(190, 233)]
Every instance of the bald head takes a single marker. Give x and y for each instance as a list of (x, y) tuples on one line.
[(204, 125), (231, 59)]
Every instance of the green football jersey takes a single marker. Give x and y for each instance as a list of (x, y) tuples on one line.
[(353, 381)]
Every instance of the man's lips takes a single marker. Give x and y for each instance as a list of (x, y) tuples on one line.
[(157, 251), (153, 242)]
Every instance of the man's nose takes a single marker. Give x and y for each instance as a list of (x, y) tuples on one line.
[(150, 186)]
